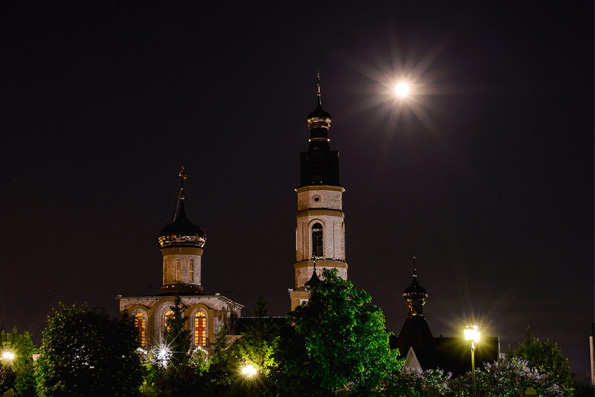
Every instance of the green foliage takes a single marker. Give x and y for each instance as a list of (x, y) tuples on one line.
[(86, 353), (546, 357), (339, 343), (19, 373), (7, 378), (509, 376), (260, 341), (176, 336)]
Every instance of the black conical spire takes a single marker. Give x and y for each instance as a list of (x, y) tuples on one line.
[(314, 279), (181, 211), (318, 94), (182, 232), (319, 119)]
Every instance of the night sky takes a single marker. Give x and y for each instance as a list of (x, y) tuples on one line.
[(486, 172)]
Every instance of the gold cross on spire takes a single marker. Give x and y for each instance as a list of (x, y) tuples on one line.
[(318, 94)]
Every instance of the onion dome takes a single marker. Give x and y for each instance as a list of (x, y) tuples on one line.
[(182, 232), (415, 288), (319, 118)]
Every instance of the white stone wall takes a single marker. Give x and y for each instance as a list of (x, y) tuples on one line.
[(320, 204), (328, 197), (324, 205), (333, 235), (171, 258), (303, 274)]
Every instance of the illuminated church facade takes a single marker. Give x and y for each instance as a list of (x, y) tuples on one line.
[(182, 244), (320, 244)]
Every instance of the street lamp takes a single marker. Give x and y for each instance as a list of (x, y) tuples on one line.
[(7, 355), (472, 335)]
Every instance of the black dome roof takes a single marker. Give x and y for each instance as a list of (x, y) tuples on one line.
[(415, 288), (182, 232), (319, 112)]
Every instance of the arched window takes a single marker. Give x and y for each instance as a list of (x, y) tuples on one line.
[(200, 329), (141, 328), (168, 319), (164, 270), (178, 270), (191, 269), (317, 250)]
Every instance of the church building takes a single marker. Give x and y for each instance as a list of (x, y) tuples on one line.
[(182, 244), (320, 244)]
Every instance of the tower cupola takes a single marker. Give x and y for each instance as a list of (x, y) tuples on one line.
[(319, 121), (415, 295), (182, 245)]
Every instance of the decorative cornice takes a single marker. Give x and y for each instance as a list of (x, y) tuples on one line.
[(181, 251), (321, 263), (319, 212), (320, 187)]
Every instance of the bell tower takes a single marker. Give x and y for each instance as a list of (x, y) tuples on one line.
[(320, 229)]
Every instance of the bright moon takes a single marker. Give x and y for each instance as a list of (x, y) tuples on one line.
[(402, 89)]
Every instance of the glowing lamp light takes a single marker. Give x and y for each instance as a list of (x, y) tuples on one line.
[(472, 333), (161, 355), (9, 356), (402, 89), (248, 371)]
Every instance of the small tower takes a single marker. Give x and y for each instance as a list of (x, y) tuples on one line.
[(415, 332), (320, 229), (182, 245), (415, 295)]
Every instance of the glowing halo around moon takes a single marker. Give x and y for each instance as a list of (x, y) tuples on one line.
[(402, 89)]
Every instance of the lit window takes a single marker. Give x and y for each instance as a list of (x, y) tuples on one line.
[(317, 250), (169, 318), (191, 269), (200, 329), (178, 270), (140, 325)]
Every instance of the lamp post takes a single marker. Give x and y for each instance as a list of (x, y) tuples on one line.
[(472, 335)]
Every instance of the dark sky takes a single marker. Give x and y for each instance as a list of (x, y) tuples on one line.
[(486, 173)]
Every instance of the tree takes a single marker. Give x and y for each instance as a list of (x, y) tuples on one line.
[(260, 341), (338, 343), (546, 357), (18, 373), (84, 352), (509, 376), (176, 336)]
